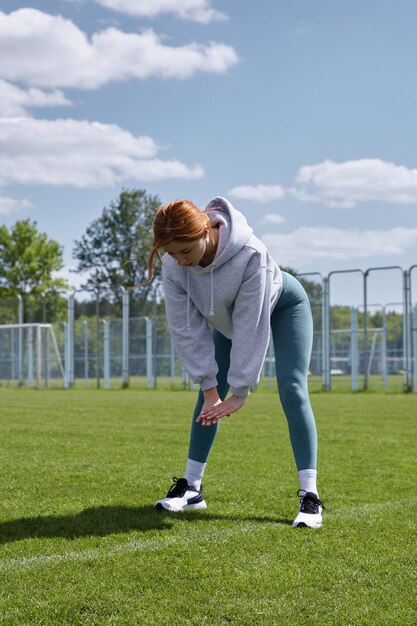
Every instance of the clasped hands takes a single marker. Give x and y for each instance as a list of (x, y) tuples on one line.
[(214, 409)]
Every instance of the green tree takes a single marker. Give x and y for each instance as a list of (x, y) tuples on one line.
[(27, 262), (115, 247)]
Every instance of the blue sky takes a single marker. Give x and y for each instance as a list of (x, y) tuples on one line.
[(302, 113)]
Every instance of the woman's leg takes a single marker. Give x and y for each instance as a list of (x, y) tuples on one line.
[(187, 492), (202, 437), (292, 331)]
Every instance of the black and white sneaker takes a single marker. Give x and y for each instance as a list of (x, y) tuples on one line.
[(181, 497), (309, 515)]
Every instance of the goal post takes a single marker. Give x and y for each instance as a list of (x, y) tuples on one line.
[(30, 353)]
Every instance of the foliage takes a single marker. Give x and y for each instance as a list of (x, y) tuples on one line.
[(115, 248), (82, 544), (28, 259), (27, 262), (340, 318)]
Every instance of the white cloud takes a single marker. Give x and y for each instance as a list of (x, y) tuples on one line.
[(273, 218), (302, 195), (80, 154), (16, 101), (343, 185), (258, 193), (306, 246), (50, 51), (12, 205), (194, 10)]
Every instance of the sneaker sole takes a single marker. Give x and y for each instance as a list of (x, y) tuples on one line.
[(188, 507), (304, 525)]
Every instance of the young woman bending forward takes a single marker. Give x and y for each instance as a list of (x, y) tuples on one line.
[(224, 296)]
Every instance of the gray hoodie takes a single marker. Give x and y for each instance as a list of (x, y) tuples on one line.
[(235, 294)]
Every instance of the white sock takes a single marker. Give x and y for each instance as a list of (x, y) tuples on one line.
[(308, 480), (194, 473)]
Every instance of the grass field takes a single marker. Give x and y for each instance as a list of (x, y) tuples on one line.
[(80, 542), (394, 383)]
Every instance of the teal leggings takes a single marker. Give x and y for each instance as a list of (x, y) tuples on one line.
[(292, 334)]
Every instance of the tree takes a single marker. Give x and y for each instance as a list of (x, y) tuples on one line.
[(116, 246), (27, 262)]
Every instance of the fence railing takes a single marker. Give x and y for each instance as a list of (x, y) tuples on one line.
[(127, 351)]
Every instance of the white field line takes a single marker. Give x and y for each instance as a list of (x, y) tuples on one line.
[(192, 536), (135, 545)]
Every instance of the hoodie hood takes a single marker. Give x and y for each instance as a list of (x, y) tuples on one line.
[(235, 232)]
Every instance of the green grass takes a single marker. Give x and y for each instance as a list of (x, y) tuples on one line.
[(395, 383), (80, 542)]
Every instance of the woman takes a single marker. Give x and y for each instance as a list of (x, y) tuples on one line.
[(223, 294)]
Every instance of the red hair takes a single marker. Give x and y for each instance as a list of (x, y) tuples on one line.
[(178, 220)]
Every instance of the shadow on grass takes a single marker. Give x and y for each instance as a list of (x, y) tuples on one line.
[(107, 520)]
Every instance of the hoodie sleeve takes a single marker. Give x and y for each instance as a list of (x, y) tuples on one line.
[(251, 328), (190, 333)]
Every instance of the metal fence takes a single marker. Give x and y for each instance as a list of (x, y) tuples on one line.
[(138, 351)]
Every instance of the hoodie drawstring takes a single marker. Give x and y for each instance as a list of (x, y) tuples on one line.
[(211, 312)]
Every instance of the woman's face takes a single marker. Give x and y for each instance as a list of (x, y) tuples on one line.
[(187, 252)]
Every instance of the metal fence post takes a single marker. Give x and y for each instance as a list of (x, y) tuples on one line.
[(38, 357), (106, 354), (326, 380), (97, 340), (407, 331), (414, 336), (125, 338), (365, 330), (70, 363), (85, 337), (149, 355), (30, 356), (354, 348), (47, 358), (384, 348), (413, 330), (20, 349), (66, 385), (155, 333)]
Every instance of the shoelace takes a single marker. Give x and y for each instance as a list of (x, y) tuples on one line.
[(309, 502), (178, 489)]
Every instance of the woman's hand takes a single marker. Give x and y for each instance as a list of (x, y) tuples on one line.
[(210, 414), (211, 399)]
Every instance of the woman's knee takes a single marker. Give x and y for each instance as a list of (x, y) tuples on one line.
[(293, 391)]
